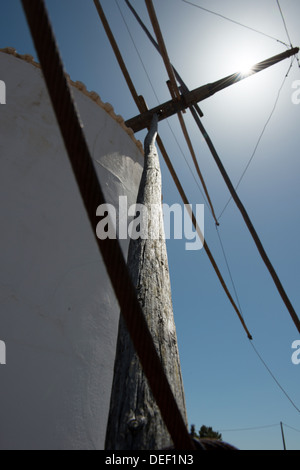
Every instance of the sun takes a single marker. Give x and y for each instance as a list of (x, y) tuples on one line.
[(246, 67), (243, 59)]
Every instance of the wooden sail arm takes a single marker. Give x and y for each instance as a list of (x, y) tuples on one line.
[(191, 98)]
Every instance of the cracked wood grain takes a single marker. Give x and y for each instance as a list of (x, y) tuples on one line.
[(134, 421)]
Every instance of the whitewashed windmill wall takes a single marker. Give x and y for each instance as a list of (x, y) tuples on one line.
[(58, 314)]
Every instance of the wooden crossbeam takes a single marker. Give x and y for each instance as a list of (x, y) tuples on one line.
[(191, 98)]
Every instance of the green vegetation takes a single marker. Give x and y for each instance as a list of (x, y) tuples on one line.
[(205, 433)]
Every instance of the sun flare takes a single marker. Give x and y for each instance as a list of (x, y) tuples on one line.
[(246, 67)]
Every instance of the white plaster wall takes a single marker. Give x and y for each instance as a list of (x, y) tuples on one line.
[(58, 314)]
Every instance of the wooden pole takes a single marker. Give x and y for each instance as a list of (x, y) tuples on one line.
[(162, 47), (134, 421), (171, 107), (283, 438)]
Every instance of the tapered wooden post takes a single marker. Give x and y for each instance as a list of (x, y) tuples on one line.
[(135, 422)]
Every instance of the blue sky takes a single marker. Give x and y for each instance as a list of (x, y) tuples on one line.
[(226, 385)]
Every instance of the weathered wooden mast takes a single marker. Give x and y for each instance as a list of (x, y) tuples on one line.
[(134, 420)]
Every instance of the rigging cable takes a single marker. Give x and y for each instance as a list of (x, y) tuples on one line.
[(290, 427), (229, 270), (273, 377), (284, 22), (256, 428), (286, 29), (235, 22), (252, 343)]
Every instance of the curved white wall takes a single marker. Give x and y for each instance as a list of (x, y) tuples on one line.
[(58, 315)]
